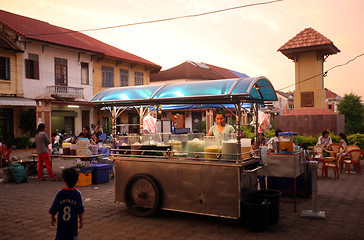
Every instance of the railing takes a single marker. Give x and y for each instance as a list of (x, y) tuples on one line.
[(65, 91)]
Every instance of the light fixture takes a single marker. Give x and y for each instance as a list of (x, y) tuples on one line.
[(73, 106)]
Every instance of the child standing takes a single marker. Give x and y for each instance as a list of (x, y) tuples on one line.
[(68, 205)]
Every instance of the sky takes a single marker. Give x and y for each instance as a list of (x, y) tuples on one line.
[(244, 40)]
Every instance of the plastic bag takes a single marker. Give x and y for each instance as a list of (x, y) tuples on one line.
[(18, 172)]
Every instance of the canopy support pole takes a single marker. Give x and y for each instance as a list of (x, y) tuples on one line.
[(238, 128), (256, 115)]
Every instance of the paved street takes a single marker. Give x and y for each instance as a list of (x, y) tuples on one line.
[(24, 214)]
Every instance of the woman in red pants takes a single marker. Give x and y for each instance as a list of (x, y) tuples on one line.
[(42, 141)]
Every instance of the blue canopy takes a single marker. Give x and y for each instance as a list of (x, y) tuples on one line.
[(224, 91)]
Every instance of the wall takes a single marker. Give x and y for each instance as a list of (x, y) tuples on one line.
[(14, 85), (35, 87), (307, 65), (310, 124), (109, 62)]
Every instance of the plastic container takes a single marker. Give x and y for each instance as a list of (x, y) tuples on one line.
[(228, 146), (73, 149), (273, 197), (256, 214), (66, 148), (245, 147), (179, 142), (100, 173), (195, 144), (94, 149), (84, 179), (211, 146), (286, 142)]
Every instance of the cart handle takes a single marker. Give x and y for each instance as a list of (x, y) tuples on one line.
[(254, 170)]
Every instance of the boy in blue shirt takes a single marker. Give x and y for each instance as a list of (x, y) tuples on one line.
[(68, 205)]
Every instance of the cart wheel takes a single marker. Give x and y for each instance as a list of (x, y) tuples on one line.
[(142, 195)]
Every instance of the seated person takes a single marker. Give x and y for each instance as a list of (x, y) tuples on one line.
[(85, 133), (263, 141), (325, 140)]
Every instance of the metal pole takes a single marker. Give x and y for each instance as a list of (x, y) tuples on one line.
[(256, 114), (238, 128), (113, 126)]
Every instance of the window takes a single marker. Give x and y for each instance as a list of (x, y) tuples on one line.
[(32, 66), (124, 77), (60, 66), (307, 99), (4, 68), (138, 78), (107, 76), (84, 73)]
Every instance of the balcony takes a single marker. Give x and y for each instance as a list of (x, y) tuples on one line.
[(65, 91)]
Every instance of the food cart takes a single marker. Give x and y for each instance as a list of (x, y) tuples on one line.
[(215, 187)]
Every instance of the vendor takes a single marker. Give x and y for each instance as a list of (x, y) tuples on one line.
[(221, 125)]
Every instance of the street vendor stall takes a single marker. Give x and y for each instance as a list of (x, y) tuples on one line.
[(194, 182)]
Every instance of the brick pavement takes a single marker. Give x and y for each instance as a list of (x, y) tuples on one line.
[(24, 214)]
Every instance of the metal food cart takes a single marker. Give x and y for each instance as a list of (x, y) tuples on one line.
[(212, 187)]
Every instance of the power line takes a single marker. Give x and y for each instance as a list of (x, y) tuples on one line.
[(160, 20), (324, 73)]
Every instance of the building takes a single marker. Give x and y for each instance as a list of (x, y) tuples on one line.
[(189, 117), (311, 114), (56, 71)]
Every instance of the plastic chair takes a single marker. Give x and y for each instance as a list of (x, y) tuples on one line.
[(331, 162), (346, 157), (355, 156), (318, 153), (334, 149)]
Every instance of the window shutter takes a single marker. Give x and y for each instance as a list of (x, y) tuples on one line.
[(36, 69), (27, 68)]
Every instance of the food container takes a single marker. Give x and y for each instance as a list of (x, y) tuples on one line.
[(211, 146), (73, 149), (228, 146), (179, 142), (245, 147), (66, 148), (151, 139), (195, 144), (286, 142)]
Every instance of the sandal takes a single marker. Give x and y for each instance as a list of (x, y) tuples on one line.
[(42, 179)]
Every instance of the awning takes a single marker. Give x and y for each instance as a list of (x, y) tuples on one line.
[(17, 101), (224, 91)]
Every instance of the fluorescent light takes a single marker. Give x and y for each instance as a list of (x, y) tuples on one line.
[(73, 106)]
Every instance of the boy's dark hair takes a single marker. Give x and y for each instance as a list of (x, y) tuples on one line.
[(304, 146), (277, 131), (70, 176)]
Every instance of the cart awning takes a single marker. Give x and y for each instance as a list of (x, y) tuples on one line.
[(224, 91)]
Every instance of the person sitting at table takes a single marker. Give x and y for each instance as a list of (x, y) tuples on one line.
[(325, 140), (262, 140), (85, 133)]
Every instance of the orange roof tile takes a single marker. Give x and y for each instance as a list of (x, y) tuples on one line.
[(42, 31), (307, 40)]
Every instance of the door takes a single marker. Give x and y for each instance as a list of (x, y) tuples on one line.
[(85, 118), (196, 118), (69, 125)]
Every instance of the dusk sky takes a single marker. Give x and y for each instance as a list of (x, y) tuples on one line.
[(245, 40)]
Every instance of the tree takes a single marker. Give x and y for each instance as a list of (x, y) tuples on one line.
[(353, 110)]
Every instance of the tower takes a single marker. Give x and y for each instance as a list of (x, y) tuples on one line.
[(309, 49)]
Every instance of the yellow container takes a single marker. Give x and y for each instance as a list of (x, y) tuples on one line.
[(84, 179)]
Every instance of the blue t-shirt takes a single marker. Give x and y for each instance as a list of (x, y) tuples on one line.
[(68, 205)]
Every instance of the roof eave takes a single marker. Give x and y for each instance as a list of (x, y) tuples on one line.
[(327, 49)]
